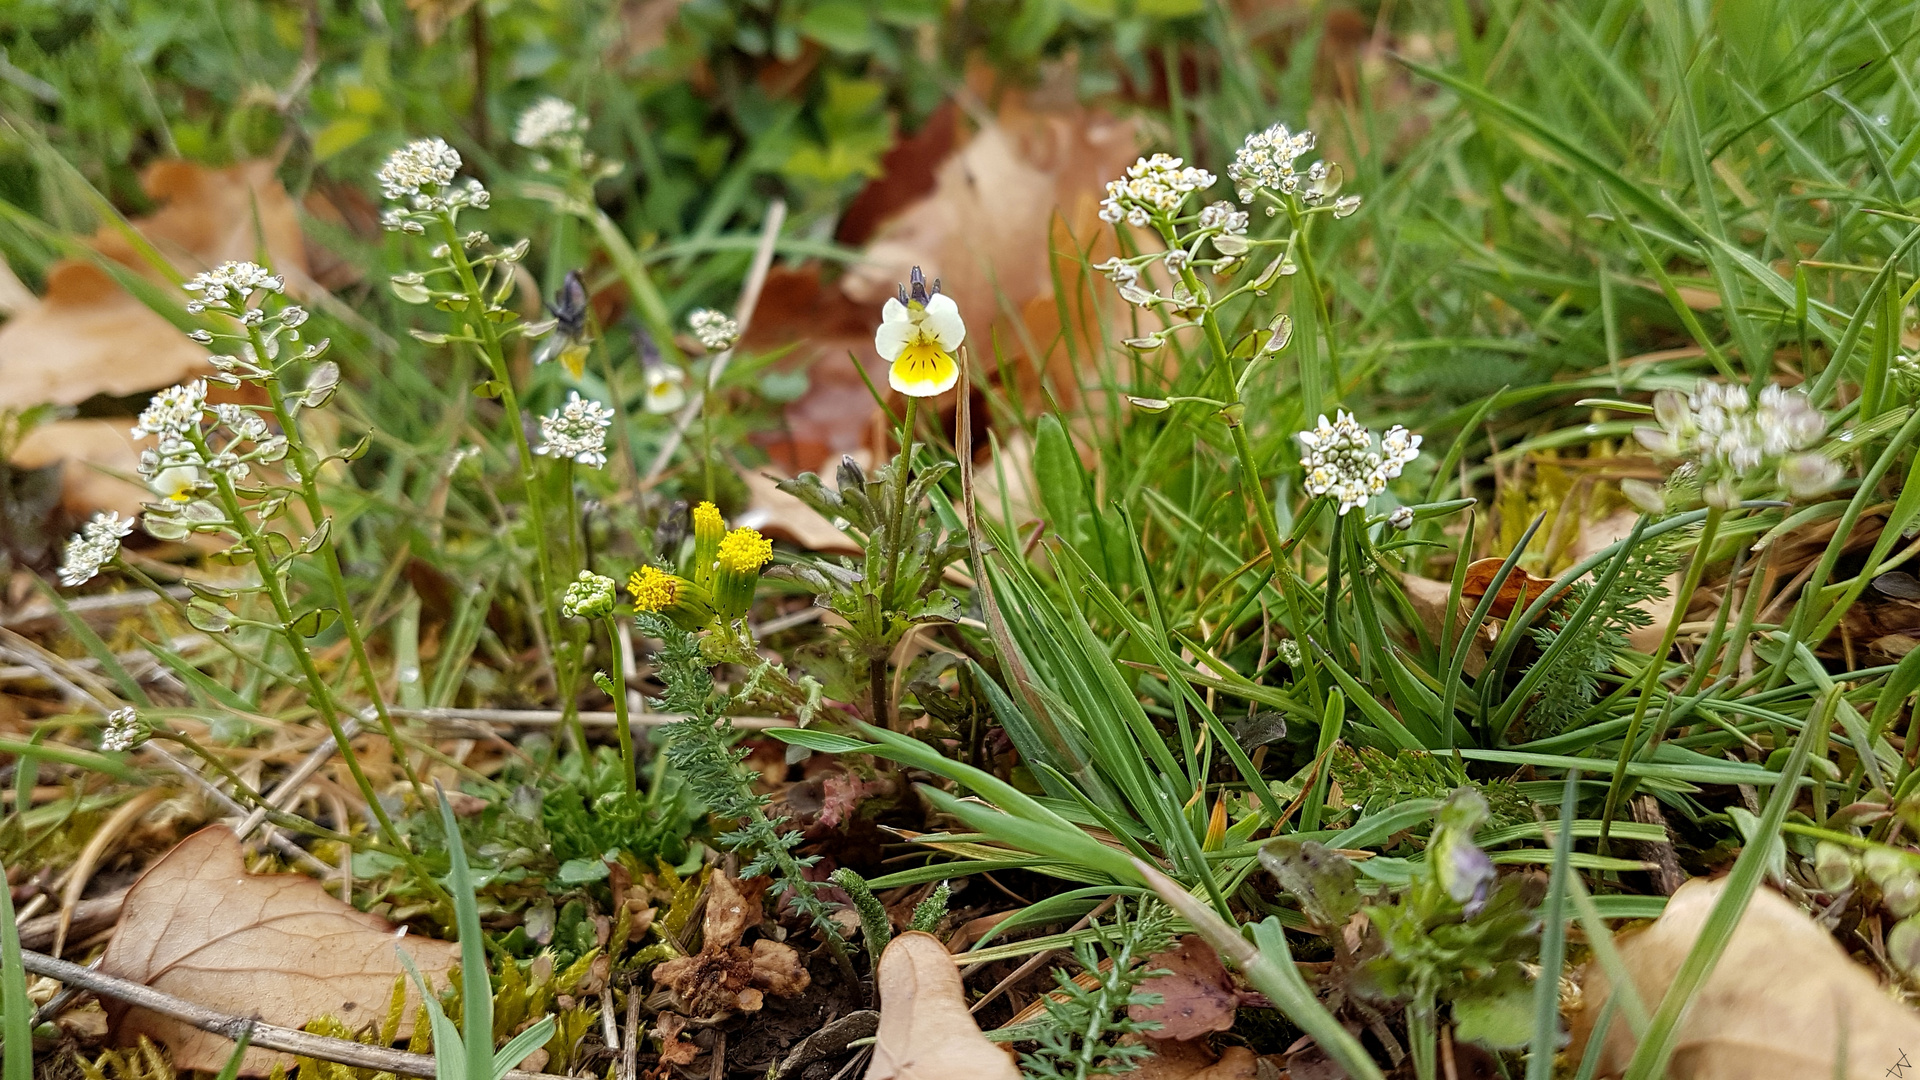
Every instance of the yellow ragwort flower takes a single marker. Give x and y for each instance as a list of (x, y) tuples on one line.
[(652, 589), (745, 551)]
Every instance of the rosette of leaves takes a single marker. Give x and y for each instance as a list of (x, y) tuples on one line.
[(913, 551), (1455, 938)]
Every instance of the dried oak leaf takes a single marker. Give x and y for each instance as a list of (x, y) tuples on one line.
[(1176, 1060), (1784, 1001), (199, 926), (724, 976), (926, 1032), (1197, 996), (88, 336)]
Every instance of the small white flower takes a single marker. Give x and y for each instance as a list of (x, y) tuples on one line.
[(716, 331), (1341, 462), (1266, 162), (1734, 437), (421, 164), (577, 430), (1153, 185), (919, 331), (1401, 518), (94, 546), (1290, 652), (123, 732), (549, 124), (238, 279), (173, 412), (666, 389)]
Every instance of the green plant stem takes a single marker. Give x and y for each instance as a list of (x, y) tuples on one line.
[(895, 538), (1696, 566), (1423, 1035), (306, 469), (1263, 520), (623, 729), (1322, 312), (529, 476), (328, 706)]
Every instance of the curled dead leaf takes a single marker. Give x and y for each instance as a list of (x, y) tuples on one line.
[(725, 977), (926, 1032), (1197, 996), (276, 946), (1520, 588), (1784, 1001)]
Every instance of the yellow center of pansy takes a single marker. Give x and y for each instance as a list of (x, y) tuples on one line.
[(923, 363)]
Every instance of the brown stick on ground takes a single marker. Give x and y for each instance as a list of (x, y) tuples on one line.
[(1667, 875), (227, 1026)]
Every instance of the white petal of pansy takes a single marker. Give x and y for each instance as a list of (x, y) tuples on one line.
[(893, 311), (943, 322), (892, 337)]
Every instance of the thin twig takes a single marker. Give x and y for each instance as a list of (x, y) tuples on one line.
[(229, 1026), (742, 316), (548, 717), (301, 856), (287, 788), (1033, 962)]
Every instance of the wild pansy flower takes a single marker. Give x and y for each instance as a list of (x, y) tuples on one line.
[(1153, 186), (177, 484), (1734, 438), (589, 597), (1341, 461), (716, 331), (570, 341), (666, 389), (577, 431), (919, 332), (94, 546)]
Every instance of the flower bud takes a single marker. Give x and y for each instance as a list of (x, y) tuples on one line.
[(589, 597)]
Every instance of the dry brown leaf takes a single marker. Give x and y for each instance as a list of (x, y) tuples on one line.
[(88, 336), (89, 452), (199, 926), (785, 517), (1176, 1060), (725, 977), (1197, 996), (1783, 1002), (926, 1032)]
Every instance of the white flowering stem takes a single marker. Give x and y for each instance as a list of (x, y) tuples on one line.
[(1335, 549), (1242, 447), (1696, 566), (529, 477), (324, 701), (622, 727), (306, 469)]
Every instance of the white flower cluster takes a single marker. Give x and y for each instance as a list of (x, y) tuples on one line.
[(1126, 278), (1734, 436), (237, 279), (421, 174), (549, 124), (1341, 462), (577, 430), (1153, 185), (420, 167), (124, 731), (1266, 162), (173, 412), (715, 330), (94, 546)]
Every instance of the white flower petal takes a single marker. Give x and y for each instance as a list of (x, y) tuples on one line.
[(943, 322), (893, 336), (893, 311)]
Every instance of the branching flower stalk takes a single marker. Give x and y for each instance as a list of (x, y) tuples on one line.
[(420, 179)]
